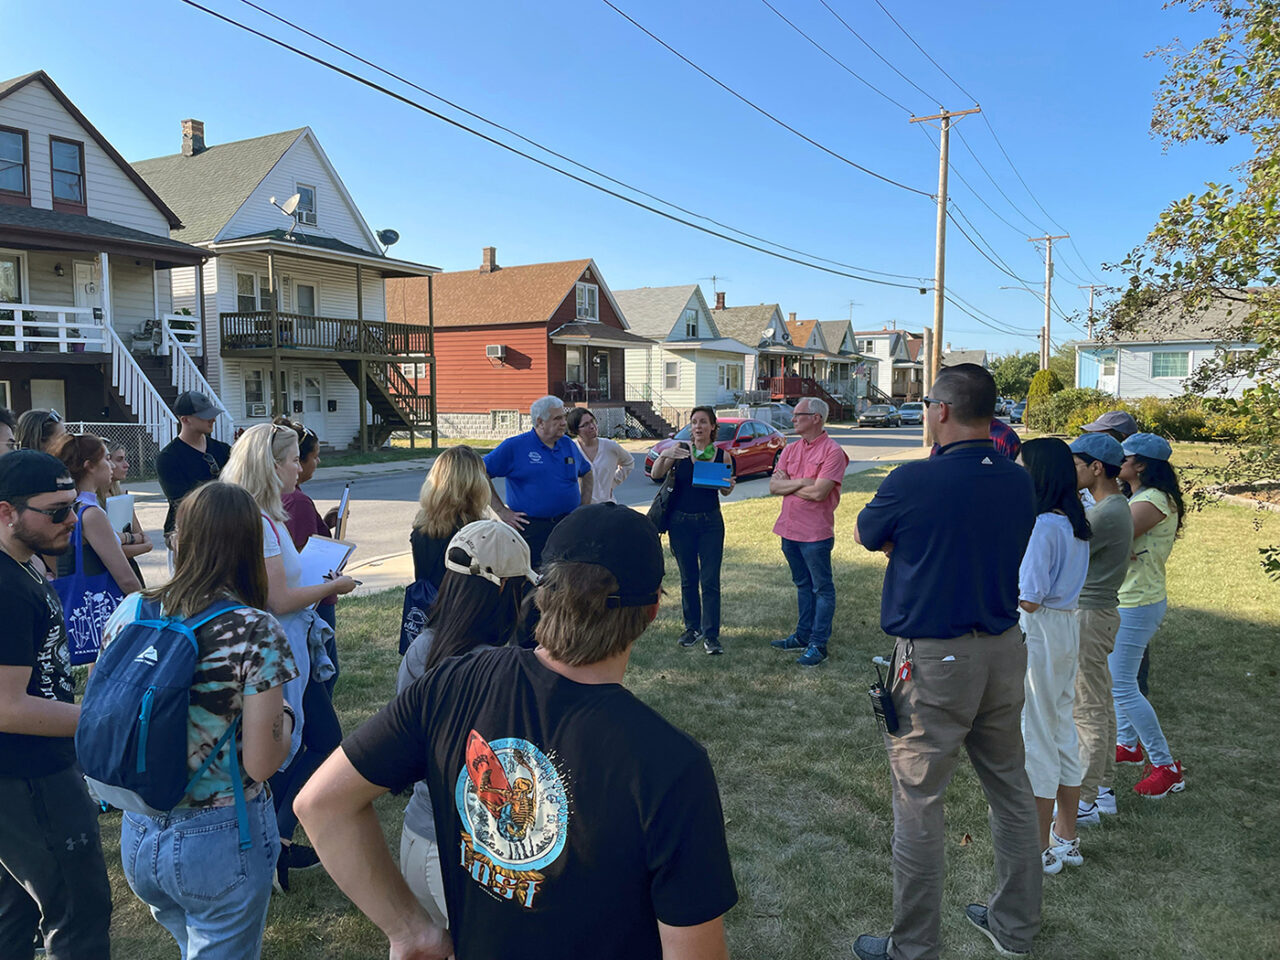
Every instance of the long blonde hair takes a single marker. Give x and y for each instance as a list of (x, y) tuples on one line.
[(252, 465), (455, 493)]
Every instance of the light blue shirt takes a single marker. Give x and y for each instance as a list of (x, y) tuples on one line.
[(1055, 565)]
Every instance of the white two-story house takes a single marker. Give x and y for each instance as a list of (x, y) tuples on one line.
[(295, 298), (898, 374), (690, 363)]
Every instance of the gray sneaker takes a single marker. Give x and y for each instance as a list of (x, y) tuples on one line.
[(976, 913), (688, 638)]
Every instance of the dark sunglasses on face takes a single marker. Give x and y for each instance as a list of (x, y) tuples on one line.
[(55, 514)]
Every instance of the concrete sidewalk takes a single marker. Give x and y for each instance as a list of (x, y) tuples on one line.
[(396, 570), (150, 489)]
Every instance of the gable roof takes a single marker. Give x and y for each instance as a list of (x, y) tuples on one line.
[(833, 333), (747, 324), (207, 189), (8, 87), (653, 311), (509, 295), (802, 330), (952, 357), (1213, 324), (914, 346)]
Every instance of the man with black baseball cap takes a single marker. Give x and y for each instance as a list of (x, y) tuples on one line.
[(53, 881), (583, 824), (193, 457)]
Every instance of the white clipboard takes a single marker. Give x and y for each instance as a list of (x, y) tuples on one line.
[(344, 513), (322, 555), (120, 511)]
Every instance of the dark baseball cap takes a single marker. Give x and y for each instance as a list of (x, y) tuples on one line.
[(1120, 421), (193, 403), (617, 538), (29, 473)]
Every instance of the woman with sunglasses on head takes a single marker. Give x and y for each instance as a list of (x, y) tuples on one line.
[(186, 865), (38, 429), (610, 463), (486, 564), (94, 541), (133, 538), (1157, 509), (265, 462), (305, 521)]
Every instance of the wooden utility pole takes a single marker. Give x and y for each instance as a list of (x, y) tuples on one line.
[(1045, 347), (945, 118), (1091, 287), (926, 355)]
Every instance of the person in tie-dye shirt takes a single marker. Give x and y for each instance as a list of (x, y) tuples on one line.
[(187, 865)]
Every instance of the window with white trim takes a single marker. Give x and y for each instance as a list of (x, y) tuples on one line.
[(735, 374), (67, 161), (1108, 364), (671, 375), (305, 212), (1170, 363), (573, 364), (246, 293), (868, 346), (588, 301), (690, 320), (304, 295), (422, 370), (6, 397), (254, 388)]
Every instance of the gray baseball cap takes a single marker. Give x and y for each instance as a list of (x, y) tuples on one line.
[(1099, 446), (193, 403), (1118, 420)]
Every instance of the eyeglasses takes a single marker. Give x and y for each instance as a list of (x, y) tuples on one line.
[(55, 514), (929, 400)]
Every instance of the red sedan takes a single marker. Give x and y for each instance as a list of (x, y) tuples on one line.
[(750, 446)]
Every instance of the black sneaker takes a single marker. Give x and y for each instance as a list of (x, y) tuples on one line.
[(977, 915), (868, 947), (688, 638), (789, 643), (301, 857), (712, 645)]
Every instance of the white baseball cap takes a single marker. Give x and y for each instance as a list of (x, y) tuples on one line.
[(496, 552)]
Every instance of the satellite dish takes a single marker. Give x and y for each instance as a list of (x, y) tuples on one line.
[(768, 332), (291, 204), (388, 237)]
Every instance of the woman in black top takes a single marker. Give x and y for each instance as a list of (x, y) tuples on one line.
[(455, 493), (696, 530)]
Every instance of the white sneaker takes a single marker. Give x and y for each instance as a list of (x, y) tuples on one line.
[(1087, 815), (1067, 851), (1107, 801), (1050, 862)]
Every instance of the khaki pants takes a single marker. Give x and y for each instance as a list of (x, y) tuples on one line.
[(966, 692), (1094, 713)]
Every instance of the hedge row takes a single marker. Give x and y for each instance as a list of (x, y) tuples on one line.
[(1177, 418)]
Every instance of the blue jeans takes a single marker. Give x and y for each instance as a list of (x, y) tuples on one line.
[(1135, 717), (187, 866), (697, 541), (810, 564)]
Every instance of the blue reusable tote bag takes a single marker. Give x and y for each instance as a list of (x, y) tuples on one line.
[(87, 602)]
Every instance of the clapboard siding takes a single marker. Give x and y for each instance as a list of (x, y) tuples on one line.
[(301, 163), (109, 193), (132, 294), (467, 382)]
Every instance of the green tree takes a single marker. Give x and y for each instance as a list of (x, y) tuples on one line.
[(1044, 383), (1013, 373), (1063, 363), (1217, 252)]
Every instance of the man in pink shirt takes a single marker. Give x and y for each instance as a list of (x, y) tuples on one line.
[(808, 479)]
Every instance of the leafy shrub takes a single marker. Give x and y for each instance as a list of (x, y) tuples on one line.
[(1052, 414), (1176, 418), (1043, 384)]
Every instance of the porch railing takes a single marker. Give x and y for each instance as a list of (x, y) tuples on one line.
[(138, 393), (574, 391), (253, 331), (35, 328), (185, 375), (182, 331)]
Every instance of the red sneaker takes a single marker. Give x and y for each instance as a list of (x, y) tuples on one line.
[(1161, 782), (1129, 755)]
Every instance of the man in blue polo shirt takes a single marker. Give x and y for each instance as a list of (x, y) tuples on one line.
[(547, 476), (955, 527)]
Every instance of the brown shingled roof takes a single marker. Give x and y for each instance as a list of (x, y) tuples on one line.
[(469, 298), (800, 331)]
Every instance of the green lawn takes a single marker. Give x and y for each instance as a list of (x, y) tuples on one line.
[(805, 785)]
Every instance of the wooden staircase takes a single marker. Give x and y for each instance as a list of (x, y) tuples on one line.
[(396, 403), (791, 389), (158, 372), (651, 422)]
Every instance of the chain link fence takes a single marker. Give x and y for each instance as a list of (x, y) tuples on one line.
[(138, 440)]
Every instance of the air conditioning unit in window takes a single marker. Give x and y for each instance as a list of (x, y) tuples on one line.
[(496, 351), (257, 410), (306, 216)]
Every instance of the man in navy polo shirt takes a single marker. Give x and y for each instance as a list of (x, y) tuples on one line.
[(955, 527), (547, 476)]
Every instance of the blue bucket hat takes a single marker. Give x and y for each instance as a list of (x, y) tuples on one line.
[(1099, 446), (1148, 445)]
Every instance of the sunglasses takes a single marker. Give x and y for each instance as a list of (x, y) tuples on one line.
[(929, 400), (55, 514), (214, 469)]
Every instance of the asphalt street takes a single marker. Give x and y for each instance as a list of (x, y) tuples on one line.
[(383, 504)]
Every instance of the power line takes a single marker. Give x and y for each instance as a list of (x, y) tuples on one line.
[(1010, 333), (926, 53), (999, 262), (1000, 189), (836, 60), (845, 24), (541, 146), (759, 109), (542, 163)]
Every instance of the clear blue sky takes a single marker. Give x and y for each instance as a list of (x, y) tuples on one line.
[(1069, 93)]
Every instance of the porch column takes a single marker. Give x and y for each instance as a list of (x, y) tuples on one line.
[(431, 349), (104, 269), (204, 326), (273, 318), (362, 363)]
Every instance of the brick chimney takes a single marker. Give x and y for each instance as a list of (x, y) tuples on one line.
[(489, 260), (791, 317), (192, 137), (719, 300)]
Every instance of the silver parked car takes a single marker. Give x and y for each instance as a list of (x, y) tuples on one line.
[(912, 412)]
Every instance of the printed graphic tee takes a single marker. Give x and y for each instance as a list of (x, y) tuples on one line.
[(571, 817), (34, 636)]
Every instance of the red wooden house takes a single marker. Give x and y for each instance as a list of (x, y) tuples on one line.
[(505, 336)]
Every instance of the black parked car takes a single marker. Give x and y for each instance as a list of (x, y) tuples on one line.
[(880, 415)]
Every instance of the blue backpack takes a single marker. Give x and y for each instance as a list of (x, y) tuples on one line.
[(131, 740)]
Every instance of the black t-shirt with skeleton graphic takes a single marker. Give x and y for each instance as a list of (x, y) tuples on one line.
[(571, 817)]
